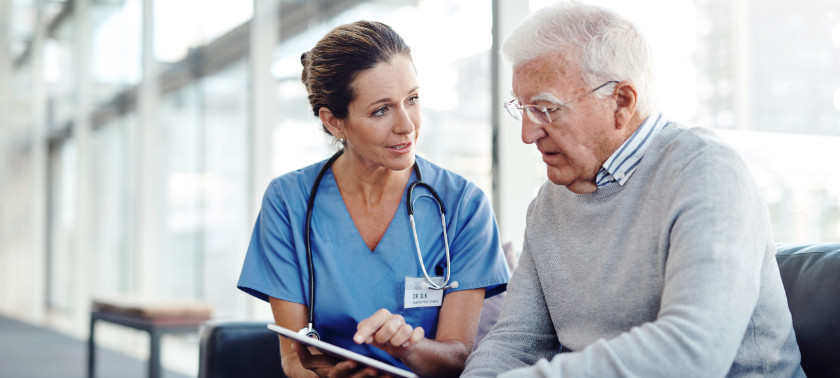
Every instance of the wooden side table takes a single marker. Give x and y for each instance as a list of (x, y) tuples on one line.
[(155, 316)]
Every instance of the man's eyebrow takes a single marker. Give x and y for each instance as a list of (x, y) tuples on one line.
[(547, 97)]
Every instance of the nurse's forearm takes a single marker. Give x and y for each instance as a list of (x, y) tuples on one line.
[(292, 366), (432, 358)]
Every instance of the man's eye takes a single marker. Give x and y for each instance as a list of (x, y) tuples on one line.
[(413, 100), (549, 109), (538, 109)]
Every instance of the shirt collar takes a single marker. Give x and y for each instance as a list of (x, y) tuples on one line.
[(624, 161)]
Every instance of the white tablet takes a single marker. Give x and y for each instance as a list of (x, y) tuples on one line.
[(337, 351)]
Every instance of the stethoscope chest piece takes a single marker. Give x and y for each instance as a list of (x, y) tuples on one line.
[(309, 331)]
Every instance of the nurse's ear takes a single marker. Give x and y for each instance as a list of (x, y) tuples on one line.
[(334, 125)]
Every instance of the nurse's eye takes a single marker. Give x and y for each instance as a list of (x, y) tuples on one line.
[(413, 100), (380, 112)]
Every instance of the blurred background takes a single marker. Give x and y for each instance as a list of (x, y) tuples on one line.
[(137, 136)]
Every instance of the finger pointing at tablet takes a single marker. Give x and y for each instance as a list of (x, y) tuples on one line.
[(388, 332)]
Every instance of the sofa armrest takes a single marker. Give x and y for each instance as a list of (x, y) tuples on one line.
[(233, 349), (811, 276)]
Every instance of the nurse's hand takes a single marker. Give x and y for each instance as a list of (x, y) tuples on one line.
[(325, 366), (388, 332)]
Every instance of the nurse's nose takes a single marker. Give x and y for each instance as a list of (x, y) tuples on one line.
[(404, 121)]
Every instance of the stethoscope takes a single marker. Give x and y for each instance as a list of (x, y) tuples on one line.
[(309, 330)]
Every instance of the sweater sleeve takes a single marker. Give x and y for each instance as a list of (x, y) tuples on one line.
[(718, 242), (524, 332)]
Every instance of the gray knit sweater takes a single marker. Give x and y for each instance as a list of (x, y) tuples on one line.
[(671, 275)]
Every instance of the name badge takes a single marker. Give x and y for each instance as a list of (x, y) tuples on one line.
[(417, 295)]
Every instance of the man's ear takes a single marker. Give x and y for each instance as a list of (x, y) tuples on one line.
[(334, 125), (625, 108)]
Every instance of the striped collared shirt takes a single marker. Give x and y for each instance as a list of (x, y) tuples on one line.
[(623, 162)]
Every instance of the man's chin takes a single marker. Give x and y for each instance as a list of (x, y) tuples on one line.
[(557, 177), (571, 183)]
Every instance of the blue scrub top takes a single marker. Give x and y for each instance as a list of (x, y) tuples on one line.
[(351, 282)]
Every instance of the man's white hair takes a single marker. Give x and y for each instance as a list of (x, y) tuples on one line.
[(607, 46)]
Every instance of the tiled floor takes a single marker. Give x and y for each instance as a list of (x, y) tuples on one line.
[(27, 351)]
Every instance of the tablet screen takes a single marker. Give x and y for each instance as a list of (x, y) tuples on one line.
[(340, 352)]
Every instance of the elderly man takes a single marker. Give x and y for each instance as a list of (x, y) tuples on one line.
[(648, 252)]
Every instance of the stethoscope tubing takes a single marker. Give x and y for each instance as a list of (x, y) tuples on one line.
[(308, 243), (442, 209)]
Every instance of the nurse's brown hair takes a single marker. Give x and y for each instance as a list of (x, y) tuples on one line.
[(330, 68)]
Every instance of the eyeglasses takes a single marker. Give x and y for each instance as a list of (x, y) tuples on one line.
[(540, 114)]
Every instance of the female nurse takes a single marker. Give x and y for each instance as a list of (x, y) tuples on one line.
[(362, 85)]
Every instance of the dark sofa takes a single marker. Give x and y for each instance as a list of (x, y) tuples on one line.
[(811, 275)]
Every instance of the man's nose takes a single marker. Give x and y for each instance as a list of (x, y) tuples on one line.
[(531, 131)]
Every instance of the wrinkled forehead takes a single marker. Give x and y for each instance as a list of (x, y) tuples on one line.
[(546, 77)]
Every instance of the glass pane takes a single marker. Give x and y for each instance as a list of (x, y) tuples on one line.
[(182, 24), (115, 48), (179, 118), (21, 16), (62, 228), (206, 128), (19, 110), (60, 75), (16, 227), (111, 209), (224, 217), (455, 80), (21, 23), (792, 171)]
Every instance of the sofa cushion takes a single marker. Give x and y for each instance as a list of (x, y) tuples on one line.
[(811, 276)]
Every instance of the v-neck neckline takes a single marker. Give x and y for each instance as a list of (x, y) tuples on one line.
[(358, 234)]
